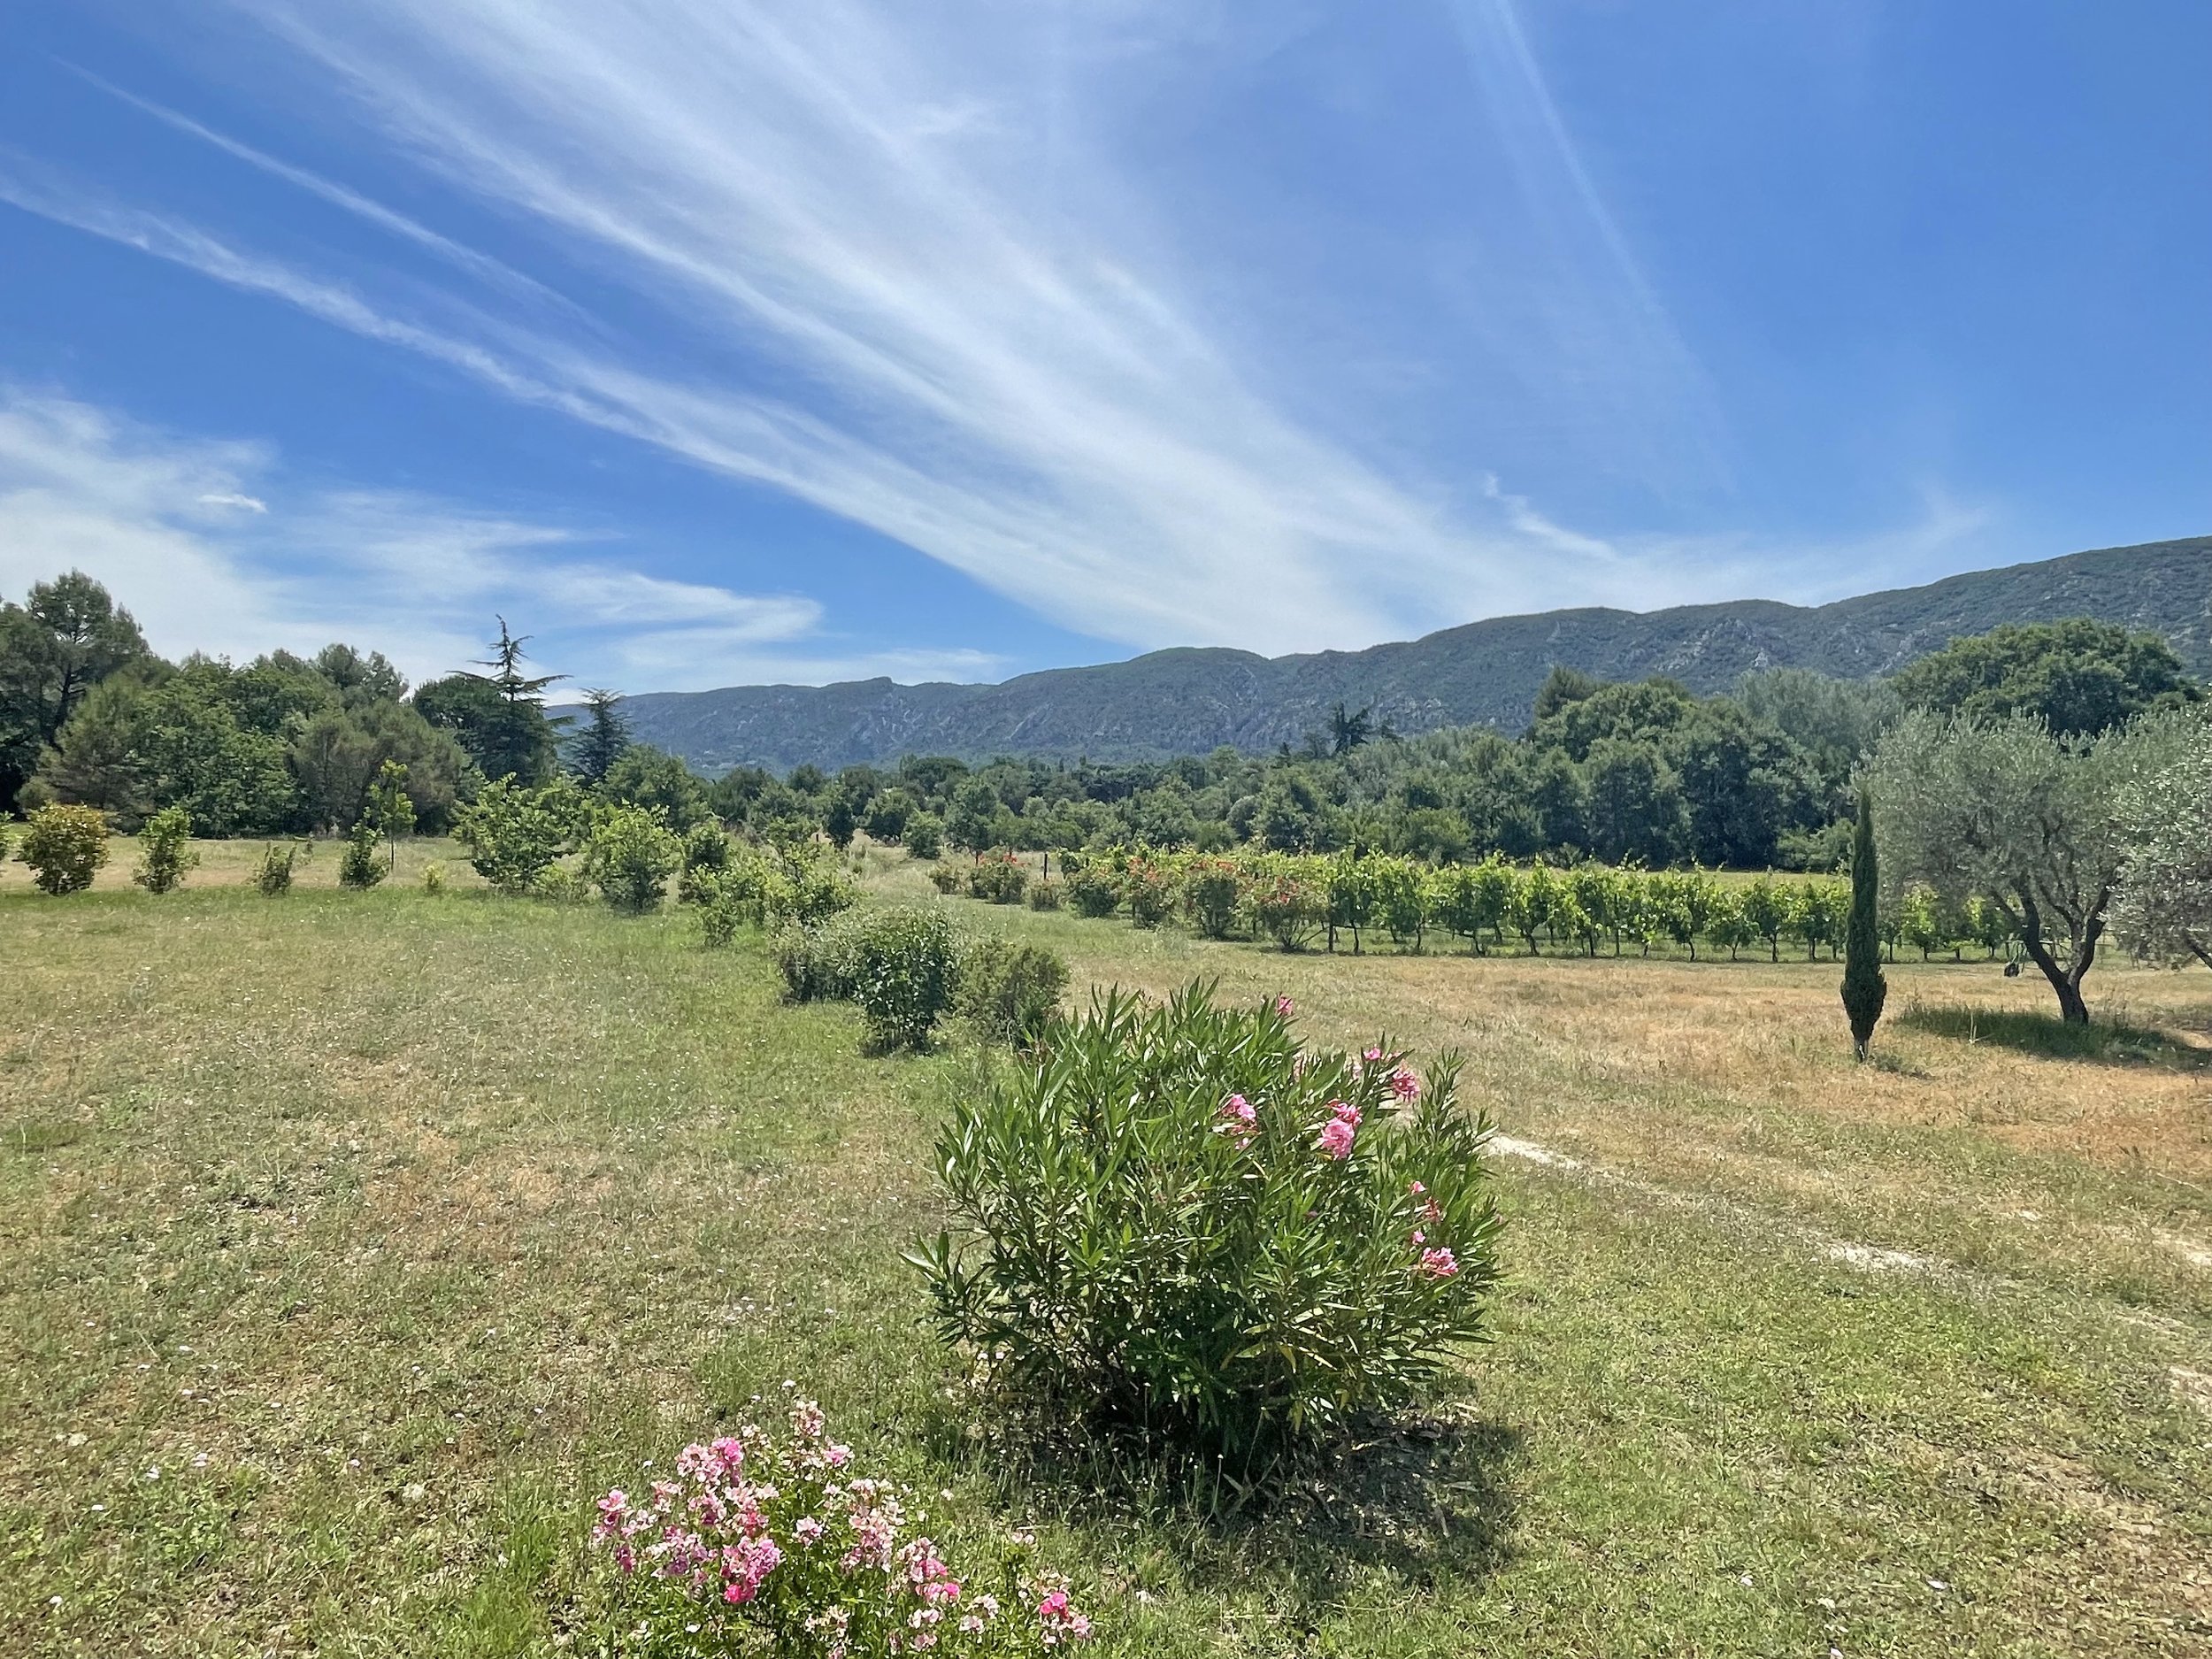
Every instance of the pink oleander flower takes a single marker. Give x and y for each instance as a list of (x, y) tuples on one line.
[(1374, 1056), (807, 1530), (1238, 1120), (1438, 1265), (1404, 1085), (1419, 1237), (1282, 1006), (1336, 1137), (1416, 1188), (807, 1421)]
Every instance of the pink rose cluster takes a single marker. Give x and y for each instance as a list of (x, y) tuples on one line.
[(775, 1532)]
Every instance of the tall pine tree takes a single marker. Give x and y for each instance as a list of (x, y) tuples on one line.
[(519, 738), (605, 735)]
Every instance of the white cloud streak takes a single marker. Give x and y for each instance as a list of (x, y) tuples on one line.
[(167, 524), (845, 284), (828, 199)]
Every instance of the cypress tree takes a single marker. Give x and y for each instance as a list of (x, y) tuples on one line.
[(1864, 986)]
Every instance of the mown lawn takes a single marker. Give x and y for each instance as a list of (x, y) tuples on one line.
[(389, 1229)]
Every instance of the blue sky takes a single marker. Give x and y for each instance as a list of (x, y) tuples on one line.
[(713, 341)]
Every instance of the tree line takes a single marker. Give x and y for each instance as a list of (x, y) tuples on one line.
[(2056, 773)]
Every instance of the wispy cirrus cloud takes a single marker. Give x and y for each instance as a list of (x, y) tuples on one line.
[(168, 524), (899, 265), (860, 293)]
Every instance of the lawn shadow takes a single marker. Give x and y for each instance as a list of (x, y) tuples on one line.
[(2112, 1042), (1417, 1499)]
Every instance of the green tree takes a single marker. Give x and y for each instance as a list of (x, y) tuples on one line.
[(840, 822), (389, 807), (1742, 786), (1636, 809), (134, 747), (1292, 814), (336, 754), (651, 777), (65, 638), (605, 737), (2162, 908), (1865, 988), (973, 823), (513, 834), (499, 718), (630, 854), (2078, 678), (164, 851), (65, 847), (97, 763), (1559, 798), (2027, 820), (1349, 731)]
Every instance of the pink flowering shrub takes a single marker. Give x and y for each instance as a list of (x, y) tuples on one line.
[(773, 1543), (1173, 1219)]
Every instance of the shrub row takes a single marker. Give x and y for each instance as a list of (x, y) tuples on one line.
[(906, 970), (1295, 902)]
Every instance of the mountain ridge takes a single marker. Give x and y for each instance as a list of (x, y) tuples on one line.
[(1191, 699)]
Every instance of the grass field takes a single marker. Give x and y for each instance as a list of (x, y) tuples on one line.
[(389, 1229)]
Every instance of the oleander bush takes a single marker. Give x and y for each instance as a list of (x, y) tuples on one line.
[(1176, 1222), (1213, 893), (1010, 991), (763, 1542), (998, 877), (1285, 909), (1150, 888), (65, 847), (1094, 890)]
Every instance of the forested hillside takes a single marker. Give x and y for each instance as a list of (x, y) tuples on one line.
[(1191, 701)]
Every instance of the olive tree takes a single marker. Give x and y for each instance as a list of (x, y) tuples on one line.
[(2003, 811), (2163, 910)]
